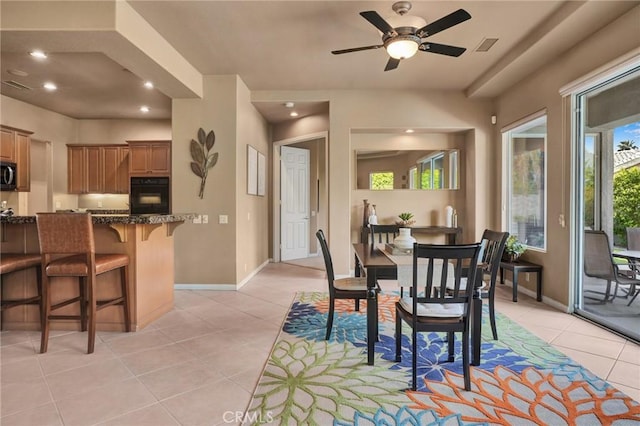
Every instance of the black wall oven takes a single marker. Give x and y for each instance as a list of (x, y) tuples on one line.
[(8, 176), (149, 195)]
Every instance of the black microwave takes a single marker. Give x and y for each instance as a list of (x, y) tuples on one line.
[(8, 176)]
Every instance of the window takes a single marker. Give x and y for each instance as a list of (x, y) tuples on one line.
[(453, 169), (526, 195), (381, 180), (432, 172)]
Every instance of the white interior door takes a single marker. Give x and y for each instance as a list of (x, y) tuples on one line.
[(294, 194)]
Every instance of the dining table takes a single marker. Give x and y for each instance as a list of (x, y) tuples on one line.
[(369, 259)]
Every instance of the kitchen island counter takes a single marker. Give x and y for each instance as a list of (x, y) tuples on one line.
[(146, 239)]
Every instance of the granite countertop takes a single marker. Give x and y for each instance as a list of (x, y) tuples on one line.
[(110, 218)]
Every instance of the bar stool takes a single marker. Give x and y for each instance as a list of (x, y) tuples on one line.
[(71, 234), (13, 262)]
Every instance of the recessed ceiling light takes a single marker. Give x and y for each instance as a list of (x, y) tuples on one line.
[(148, 85), (293, 114), (145, 109), (18, 73), (38, 54), (409, 131), (50, 86), (289, 104)]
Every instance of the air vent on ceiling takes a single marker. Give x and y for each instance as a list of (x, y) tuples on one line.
[(16, 85), (486, 44)]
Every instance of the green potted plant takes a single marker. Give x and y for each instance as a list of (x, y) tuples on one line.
[(406, 219), (513, 249)]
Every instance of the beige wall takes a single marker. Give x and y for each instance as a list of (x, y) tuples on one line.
[(426, 205), (432, 110), (252, 236), (214, 253), (541, 91)]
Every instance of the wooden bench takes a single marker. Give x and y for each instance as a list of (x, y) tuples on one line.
[(522, 266)]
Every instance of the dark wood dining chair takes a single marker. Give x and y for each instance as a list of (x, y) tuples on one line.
[(494, 242), (70, 235), (341, 288), (450, 311), (14, 262), (385, 234), (599, 263)]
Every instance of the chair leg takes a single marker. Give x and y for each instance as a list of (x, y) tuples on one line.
[(465, 360), (91, 297), (398, 337), (492, 316), (82, 287), (39, 289), (451, 340), (124, 282), (633, 298), (46, 309), (401, 291), (357, 305), (330, 317), (414, 359)]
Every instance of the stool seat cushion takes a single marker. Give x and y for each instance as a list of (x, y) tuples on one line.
[(10, 262), (74, 266)]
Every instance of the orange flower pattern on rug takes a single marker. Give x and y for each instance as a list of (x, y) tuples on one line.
[(533, 396), (386, 307)]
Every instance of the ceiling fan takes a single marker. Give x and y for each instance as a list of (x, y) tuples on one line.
[(404, 38)]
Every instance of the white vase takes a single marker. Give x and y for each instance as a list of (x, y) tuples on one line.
[(404, 240)]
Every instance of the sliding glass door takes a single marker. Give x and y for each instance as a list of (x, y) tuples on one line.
[(607, 188)]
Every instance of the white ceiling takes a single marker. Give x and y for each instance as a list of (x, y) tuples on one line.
[(286, 45)]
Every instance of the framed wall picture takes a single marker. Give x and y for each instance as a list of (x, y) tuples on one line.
[(261, 174), (252, 170)]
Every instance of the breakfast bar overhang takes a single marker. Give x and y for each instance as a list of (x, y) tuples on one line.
[(147, 239)]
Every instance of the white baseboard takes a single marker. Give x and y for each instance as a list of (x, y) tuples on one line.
[(221, 287), (532, 293)]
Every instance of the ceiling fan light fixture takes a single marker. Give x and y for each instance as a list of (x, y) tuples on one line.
[(402, 46)]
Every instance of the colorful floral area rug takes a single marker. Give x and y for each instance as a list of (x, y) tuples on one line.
[(521, 380)]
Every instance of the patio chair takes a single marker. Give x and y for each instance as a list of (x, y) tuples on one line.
[(599, 263)]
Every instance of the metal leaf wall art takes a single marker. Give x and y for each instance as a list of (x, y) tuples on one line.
[(202, 160)]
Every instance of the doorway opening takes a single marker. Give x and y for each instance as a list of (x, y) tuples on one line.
[(297, 192)]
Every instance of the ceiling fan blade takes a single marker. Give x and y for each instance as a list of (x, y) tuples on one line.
[(356, 49), (442, 49), (392, 64), (378, 21), (443, 23)]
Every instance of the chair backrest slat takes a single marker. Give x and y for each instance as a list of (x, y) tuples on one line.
[(384, 233), (65, 233), (494, 248), (462, 257)]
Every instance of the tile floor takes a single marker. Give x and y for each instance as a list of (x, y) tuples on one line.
[(198, 364)]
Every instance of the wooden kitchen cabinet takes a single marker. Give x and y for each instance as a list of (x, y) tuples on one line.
[(15, 146), (149, 158), (97, 169), (116, 169)]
